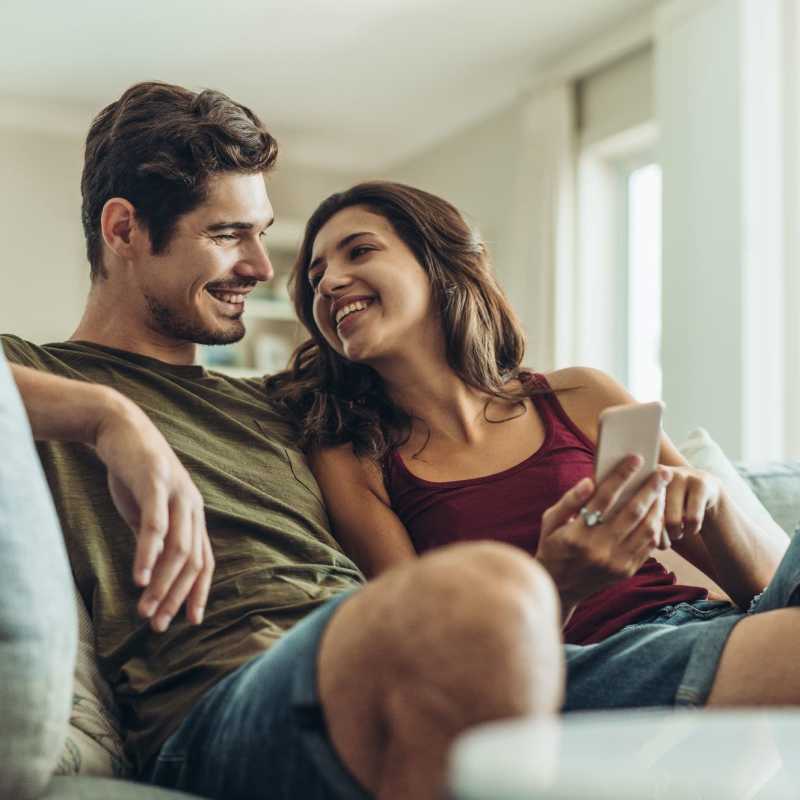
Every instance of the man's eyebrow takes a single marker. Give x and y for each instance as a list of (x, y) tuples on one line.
[(234, 225), (342, 244)]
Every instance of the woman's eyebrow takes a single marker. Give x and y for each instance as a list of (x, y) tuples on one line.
[(340, 246)]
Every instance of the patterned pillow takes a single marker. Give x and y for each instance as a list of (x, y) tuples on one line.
[(94, 740)]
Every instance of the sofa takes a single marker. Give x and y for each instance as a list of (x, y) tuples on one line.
[(60, 737)]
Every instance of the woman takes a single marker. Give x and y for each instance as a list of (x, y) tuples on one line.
[(423, 429)]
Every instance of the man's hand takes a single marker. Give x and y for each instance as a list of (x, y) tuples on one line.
[(156, 497), (583, 560), (149, 485)]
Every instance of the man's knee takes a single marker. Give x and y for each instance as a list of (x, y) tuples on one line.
[(480, 620), (486, 618), (464, 635)]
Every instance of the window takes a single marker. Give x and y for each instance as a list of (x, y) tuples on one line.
[(618, 294), (618, 269), (644, 281)]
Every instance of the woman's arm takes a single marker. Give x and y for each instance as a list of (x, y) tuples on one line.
[(731, 551), (359, 507)]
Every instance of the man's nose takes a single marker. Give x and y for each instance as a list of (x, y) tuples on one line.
[(256, 264)]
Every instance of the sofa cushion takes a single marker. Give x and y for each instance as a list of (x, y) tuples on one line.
[(37, 616), (777, 486)]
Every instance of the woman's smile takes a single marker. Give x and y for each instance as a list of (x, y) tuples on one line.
[(346, 315)]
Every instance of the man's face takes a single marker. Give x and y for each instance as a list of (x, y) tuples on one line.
[(196, 289)]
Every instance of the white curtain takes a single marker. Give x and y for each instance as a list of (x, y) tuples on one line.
[(542, 205)]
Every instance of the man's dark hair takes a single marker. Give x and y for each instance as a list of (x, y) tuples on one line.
[(157, 146)]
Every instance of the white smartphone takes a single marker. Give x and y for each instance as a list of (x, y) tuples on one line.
[(625, 430)]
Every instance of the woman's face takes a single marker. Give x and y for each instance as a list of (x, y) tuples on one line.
[(372, 299)]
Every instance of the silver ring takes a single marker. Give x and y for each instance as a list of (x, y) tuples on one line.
[(591, 518)]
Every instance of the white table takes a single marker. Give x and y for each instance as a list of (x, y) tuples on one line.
[(642, 755)]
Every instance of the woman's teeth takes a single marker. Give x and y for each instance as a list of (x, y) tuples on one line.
[(350, 308)]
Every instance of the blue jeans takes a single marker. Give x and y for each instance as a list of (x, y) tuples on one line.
[(669, 658), (260, 732)]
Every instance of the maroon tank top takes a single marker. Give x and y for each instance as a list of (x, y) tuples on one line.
[(508, 507)]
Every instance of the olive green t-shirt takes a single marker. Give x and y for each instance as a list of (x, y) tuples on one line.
[(276, 559)]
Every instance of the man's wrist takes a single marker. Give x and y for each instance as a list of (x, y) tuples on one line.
[(113, 409)]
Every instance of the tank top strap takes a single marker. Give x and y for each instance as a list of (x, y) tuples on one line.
[(553, 414)]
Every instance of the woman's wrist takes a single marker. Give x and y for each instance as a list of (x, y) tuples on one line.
[(567, 594), (715, 511)]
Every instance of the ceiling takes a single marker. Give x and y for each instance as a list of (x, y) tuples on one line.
[(340, 82)]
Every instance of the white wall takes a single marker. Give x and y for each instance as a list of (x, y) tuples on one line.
[(296, 190), (45, 276), (616, 98), (475, 169)]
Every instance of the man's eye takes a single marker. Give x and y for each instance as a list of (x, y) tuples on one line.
[(224, 237)]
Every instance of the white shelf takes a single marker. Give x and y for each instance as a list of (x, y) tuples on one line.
[(256, 308)]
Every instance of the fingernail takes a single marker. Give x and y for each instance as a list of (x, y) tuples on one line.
[(199, 615), (149, 607), (664, 475), (144, 577), (634, 461), (584, 489), (162, 622)]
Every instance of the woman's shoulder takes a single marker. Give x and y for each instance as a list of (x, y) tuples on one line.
[(340, 462), (584, 392), (586, 379)]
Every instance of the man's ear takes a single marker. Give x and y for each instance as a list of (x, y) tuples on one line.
[(121, 232)]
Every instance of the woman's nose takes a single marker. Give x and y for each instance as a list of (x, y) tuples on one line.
[(333, 281)]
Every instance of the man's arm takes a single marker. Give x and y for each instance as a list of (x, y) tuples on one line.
[(150, 487)]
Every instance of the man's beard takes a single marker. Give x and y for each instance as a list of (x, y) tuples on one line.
[(170, 323)]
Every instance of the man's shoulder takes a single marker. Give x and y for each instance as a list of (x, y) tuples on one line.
[(20, 351)]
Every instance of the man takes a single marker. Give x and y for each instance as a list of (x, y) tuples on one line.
[(286, 676)]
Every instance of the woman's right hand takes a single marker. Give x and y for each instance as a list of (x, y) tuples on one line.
[(583, 560)]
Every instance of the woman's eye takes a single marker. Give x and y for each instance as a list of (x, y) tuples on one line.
[(315, 279), (359, 250)]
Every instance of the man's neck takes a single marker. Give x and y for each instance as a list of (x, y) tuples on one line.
[(99, 327)]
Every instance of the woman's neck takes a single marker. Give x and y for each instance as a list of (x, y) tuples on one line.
[(428, 389)]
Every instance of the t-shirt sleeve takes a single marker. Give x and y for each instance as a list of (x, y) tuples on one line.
[(18, 351)]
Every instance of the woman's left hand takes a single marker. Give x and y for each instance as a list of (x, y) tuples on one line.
[(691, 494)]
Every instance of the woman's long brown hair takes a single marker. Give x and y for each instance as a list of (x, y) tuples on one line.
[(332, 400)]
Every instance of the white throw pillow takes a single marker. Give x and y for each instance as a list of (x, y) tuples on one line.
[(702, 452)]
